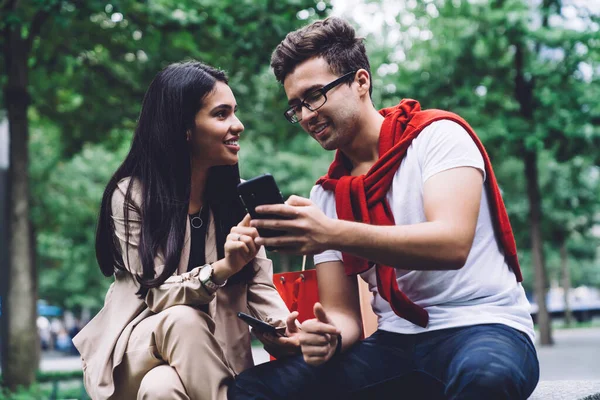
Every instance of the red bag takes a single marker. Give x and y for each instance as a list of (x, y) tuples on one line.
[(299, 290)]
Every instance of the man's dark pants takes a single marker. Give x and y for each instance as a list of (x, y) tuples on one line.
[(477, 362)]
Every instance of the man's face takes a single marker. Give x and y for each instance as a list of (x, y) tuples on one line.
[(334, 124)]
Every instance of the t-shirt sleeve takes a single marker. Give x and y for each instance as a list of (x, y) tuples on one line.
[(445, 145), (325, 200)]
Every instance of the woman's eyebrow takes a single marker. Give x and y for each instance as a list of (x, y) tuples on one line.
[(223, 106)]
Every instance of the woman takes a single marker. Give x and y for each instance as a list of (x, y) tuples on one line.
[(174, 236)]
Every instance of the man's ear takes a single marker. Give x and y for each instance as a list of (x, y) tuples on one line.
[(364, 81)]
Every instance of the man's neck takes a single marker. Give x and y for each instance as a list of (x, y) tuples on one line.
[(363, 151)]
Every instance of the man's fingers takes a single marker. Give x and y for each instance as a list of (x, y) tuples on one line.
[(315, 326), (316, 351), (275, 224), (314, 340), (320, 313), (314, 361), (283, 210), (294, 200), (285, 244)]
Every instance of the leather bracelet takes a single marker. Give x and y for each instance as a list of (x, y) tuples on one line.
[(338, 348)]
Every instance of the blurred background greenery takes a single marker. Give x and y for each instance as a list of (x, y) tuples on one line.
[(524, 73)]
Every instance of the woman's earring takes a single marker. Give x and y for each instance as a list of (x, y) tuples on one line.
[(187, 134)]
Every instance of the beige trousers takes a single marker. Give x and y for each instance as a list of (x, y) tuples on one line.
[(173, 355)]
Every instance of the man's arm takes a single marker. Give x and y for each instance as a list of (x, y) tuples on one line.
[(451, 201), (337, 313), (338, 293)]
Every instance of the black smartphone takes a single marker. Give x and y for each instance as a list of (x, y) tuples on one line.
[(257, 192), (261, 326)]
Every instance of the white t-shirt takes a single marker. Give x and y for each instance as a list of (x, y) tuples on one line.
[(485, 290)]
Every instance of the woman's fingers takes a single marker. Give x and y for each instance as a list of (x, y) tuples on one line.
[(245, 221), (245, 230), (291, 342), (264, 337), (243, 242), (249, 242), (291, 323)]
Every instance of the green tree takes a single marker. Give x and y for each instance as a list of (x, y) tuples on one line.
[(82, 66), (521, 73), (571, 200)]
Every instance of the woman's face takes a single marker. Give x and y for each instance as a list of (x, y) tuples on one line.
[(215, 137)]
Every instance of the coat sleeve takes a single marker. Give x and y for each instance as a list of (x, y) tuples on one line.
[(184, 289), (264, 302)]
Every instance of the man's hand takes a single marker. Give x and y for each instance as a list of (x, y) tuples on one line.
[(318, 338), (308, 230), (282, 346)]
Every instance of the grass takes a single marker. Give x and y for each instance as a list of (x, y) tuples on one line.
[(55, 385)]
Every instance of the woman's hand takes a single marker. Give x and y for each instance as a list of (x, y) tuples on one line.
[(282, 346), (240, 249)]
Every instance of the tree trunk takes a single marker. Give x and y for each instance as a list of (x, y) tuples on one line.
[(524, 88), (566, 281), (537, 250), (20, 354)]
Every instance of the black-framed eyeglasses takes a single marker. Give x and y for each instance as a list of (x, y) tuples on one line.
[(315, 99)]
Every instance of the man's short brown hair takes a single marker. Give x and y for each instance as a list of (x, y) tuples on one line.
[(333, 39)]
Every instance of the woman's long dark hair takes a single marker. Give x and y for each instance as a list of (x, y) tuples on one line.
[(159, 160)]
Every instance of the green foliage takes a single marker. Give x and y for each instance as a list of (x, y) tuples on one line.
[(32, 393), (59, 389), (296, 164), (526, 78), (97, 80), (69, 207), (90, 64), (92, 61), (51, 376)]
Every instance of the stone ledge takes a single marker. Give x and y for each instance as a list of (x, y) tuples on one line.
[(567, 390)]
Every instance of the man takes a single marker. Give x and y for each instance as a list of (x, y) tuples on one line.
[(411, 203)]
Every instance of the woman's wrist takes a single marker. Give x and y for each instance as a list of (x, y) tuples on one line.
[(221, 272)]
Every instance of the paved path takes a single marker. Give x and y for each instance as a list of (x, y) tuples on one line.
[(58, 362), (575, 356)]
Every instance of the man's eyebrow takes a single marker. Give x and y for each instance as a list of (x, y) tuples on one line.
[(305, 92)]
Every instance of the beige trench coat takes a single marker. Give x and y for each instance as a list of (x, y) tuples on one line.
[(102, 342)]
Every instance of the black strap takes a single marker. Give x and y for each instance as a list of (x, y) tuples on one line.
[(198, 240)]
